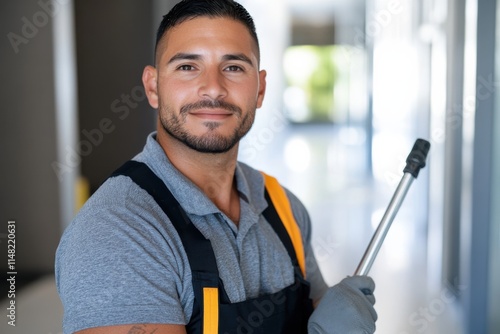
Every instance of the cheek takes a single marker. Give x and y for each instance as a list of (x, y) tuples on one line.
[(174, 94), (246, 93), (251, 91)]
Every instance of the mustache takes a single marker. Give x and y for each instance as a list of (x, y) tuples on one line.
[(210, 104)]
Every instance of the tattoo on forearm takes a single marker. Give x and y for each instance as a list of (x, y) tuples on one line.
[(142, 329)]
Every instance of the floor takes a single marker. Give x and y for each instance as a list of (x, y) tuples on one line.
[(326, 168)]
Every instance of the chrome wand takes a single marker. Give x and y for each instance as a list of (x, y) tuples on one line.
[(414, 162)]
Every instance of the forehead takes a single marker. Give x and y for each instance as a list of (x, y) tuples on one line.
[(207, 33)]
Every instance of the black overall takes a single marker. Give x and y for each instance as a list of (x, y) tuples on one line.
[(286, 311)]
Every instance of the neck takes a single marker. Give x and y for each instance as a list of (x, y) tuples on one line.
[(213, 173)]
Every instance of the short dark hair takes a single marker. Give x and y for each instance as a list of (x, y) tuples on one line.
[(190, 9)]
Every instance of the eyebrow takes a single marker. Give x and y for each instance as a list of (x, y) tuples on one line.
[(239, 57), (183, 56), (192, 56)]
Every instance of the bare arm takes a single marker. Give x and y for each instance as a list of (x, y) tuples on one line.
[(137, 329)]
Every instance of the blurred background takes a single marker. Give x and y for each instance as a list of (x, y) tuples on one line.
[(351, 85)]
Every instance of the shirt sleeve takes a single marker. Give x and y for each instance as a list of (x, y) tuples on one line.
[(313, 272), (116, 265)]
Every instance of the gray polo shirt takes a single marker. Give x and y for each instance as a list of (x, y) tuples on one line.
[(121, 261)]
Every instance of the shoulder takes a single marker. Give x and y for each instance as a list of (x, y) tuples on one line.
[(120, 218), (118, 211), (117, 199)]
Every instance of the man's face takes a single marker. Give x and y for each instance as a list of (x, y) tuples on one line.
[(208, 84)]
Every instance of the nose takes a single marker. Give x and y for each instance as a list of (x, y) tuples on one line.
[(213, 84)]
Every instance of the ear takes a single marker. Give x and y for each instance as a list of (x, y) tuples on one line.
[(150, 82), (262, 88)]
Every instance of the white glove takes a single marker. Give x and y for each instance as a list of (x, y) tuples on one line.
[(346, 308)]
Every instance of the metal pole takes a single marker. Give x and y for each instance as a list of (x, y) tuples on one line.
[(414, 162), (383, 227)]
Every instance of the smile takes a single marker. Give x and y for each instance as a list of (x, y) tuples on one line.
[(211, 114)]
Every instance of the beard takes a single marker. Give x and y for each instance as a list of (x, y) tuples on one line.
[(211, 141)]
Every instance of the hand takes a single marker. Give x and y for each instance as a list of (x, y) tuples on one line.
[(346, 308)]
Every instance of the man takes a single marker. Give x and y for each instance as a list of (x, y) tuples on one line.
[(185, 239)]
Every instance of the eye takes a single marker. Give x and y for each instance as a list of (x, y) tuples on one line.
[(234, 68), (186, 68)]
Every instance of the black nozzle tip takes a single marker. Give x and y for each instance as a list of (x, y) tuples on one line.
[(416, 158)]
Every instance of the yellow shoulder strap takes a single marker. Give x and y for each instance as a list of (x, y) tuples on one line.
[(284, 210), (210, 310)]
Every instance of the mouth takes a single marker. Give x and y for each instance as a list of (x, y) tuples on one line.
[(213, 111), (211, 114)]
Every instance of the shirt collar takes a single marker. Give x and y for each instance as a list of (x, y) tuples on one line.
[(249, 182)]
